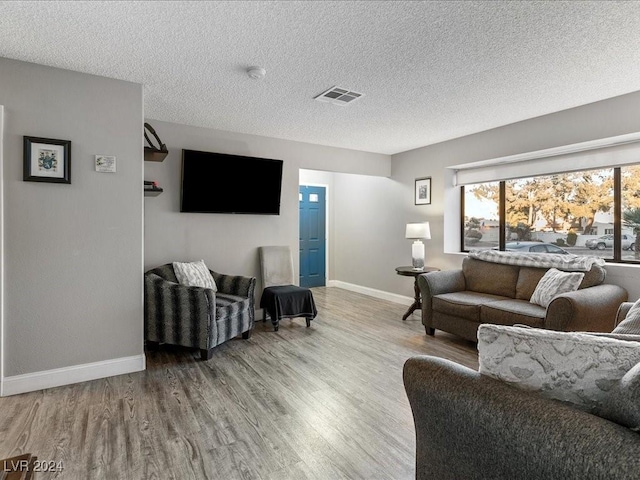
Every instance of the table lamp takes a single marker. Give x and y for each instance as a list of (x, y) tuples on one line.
[(416, 232)]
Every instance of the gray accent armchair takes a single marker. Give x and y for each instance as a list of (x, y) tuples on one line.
[(471, 426), (193, 316)]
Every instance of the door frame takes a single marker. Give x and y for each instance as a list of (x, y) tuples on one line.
[(326, 224)]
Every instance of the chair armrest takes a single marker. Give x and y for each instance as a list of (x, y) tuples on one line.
[(446, 281), (591, 309), (176, 313), (621, 314), (472, 426), (234, 284), (435, 283)]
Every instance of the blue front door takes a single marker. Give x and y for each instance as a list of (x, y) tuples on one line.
[(312, 236)]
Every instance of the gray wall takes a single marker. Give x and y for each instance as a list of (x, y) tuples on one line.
[(369, 223), (229, 243), (73, 253), (370, 233)]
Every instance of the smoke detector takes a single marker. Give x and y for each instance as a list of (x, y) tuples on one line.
[(257, 73), (339, 96)]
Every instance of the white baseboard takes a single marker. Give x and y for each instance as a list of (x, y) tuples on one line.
[(372, 292), (57, 377)]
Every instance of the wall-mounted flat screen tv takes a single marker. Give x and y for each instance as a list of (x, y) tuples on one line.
[(221, 183)]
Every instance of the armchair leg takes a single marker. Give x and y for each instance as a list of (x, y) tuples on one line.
[(430, 331), (308, 322), (247, 335), (206, 354)]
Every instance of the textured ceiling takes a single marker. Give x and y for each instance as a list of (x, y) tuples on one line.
[(430, 71)]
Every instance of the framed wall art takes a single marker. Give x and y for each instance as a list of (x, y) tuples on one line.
[(47, 160), (423, 191)]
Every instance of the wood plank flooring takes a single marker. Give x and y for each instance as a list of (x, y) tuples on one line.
[(325, 402)]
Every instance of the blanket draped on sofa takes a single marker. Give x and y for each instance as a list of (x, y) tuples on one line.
[(568, 263)]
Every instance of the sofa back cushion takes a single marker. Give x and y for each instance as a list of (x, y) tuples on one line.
[(593, 277), (165, 272), (527, 281), (487, 277), (529, 277)]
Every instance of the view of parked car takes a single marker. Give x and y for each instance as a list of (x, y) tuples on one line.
[(606, 241), (534, 247)]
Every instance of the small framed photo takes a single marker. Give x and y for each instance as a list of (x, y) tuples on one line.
[(423, 191), (47, 160), (105, 163)]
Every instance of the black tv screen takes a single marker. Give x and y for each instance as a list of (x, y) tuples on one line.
[(221, 183)]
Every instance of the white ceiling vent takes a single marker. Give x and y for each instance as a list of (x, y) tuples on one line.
[(339, 96)]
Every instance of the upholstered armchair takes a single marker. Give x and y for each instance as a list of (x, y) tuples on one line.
[(197, 317), (473, 426)]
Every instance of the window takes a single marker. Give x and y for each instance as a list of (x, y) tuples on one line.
[(481, 219), (560, 213), (630, 212)]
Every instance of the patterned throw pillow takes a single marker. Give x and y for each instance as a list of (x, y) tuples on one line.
[(553, 283), (194, 274), (585, 370), (631, 323)]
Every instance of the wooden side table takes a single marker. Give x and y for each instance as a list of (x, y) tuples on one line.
[(412, 272)]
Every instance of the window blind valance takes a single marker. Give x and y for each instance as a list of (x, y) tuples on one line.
[(596, 154)]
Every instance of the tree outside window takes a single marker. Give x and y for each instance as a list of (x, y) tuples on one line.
[(568, 210)]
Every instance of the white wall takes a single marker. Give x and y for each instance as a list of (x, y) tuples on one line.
[(229, 243), (73, 253), (369, 233)]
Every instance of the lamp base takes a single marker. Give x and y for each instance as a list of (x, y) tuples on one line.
[(417, 255)]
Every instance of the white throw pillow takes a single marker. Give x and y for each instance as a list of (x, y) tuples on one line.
[(578, 368), (553, 283), (194, 274), (631, 323)]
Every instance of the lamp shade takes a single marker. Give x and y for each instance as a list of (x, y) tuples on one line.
[(418, 230)]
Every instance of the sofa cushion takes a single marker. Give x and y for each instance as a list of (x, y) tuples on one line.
[(593, 277), (578, 368), (229, 306), (623, 406), (508, 312), (463, 304), (528, 279), (554, 283), (631, 323), (491, 278)]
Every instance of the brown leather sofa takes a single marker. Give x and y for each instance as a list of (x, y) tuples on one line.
[(458, 301)]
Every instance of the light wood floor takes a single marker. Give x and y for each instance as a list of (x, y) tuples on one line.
[(325, 402)]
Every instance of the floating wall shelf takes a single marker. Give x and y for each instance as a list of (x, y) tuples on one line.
[(153, 193), (154, 155)]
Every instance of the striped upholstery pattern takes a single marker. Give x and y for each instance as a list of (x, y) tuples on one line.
[(194, 316)]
